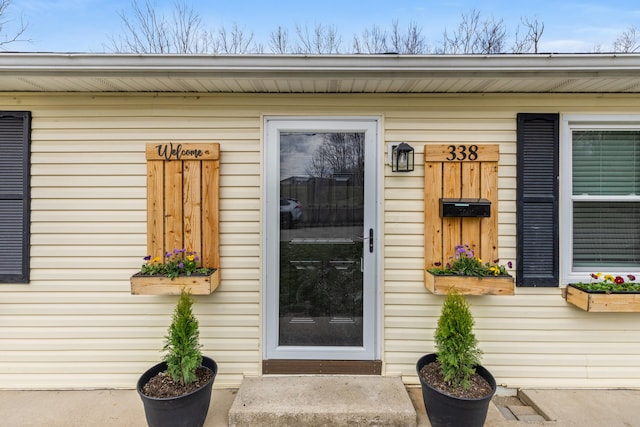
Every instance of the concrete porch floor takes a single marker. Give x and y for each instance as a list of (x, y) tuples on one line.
[(123, 408)]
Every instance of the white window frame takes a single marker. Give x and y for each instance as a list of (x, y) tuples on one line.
[(569, 123)]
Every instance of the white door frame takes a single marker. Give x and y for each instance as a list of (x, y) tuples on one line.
[(273, 125)]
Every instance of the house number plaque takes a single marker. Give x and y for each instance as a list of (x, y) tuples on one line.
[(461, 153)]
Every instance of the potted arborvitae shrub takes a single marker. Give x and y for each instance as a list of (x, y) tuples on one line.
[(177, 392), (455, 388)]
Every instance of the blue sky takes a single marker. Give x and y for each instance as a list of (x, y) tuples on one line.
[(88, 25)]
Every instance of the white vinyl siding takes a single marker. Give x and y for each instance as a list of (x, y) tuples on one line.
[(76, 324)]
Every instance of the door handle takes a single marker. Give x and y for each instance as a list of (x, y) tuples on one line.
[(371, 240)]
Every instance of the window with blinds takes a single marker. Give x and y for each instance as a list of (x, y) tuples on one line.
[(606, 199)]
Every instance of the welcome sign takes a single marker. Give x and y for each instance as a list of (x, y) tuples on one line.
[(182, 151)]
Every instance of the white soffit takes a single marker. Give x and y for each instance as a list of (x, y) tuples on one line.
[(543, 73)]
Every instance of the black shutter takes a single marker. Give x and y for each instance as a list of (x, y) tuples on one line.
[(14, 196), (537, 200)]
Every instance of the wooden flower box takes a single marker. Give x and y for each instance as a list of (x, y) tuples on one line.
[(602, 302), (196, 284), (469, 285)]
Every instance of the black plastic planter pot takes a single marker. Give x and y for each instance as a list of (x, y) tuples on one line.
[(189, 410), (444, 410)]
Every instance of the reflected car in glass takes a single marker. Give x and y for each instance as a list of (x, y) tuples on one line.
[(290, 212)]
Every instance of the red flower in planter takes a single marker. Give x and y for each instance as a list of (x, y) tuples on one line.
[(610, 283)]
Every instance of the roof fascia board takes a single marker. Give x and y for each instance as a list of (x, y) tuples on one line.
[(269, 65)]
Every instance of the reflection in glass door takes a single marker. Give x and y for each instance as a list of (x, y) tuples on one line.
[(318, 302), (321, 225)]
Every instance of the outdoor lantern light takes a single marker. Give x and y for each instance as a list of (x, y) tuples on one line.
[(402, 158)]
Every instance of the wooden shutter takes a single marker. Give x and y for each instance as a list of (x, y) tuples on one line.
[(460, 172), (15, 136), (537, 262), (182, 199)]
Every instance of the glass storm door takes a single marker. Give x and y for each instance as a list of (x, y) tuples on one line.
[(320, 239)]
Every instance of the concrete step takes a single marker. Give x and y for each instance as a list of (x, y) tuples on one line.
[(322, 401)]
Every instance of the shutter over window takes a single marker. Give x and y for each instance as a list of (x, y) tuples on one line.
[(537, 200), (15, 136)]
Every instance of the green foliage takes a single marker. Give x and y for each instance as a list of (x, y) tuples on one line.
[(456, 344), (178, 262), (182, 342), (465, 263), (609, 283)]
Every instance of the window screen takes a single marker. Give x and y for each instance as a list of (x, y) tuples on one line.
[(606, 199), (606, 163)]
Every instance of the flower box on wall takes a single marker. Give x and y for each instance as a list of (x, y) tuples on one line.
[(183, 197), (469, 285), (603, 301), (196, 284)]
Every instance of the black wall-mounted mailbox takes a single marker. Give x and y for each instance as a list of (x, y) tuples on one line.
[(465, 208)]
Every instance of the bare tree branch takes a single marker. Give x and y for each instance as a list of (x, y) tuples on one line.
[(463, 39), (234, 40), (535, 30), (628, 41), (529, 43), (489, 36), (279, 41), (187, 33), (145, 31), (372, 40), (14, 37), (322, 40), (377, 40), (415, 42), (339, 153), (148, 31)]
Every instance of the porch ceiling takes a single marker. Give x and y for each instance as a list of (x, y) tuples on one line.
[(544, 73)]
